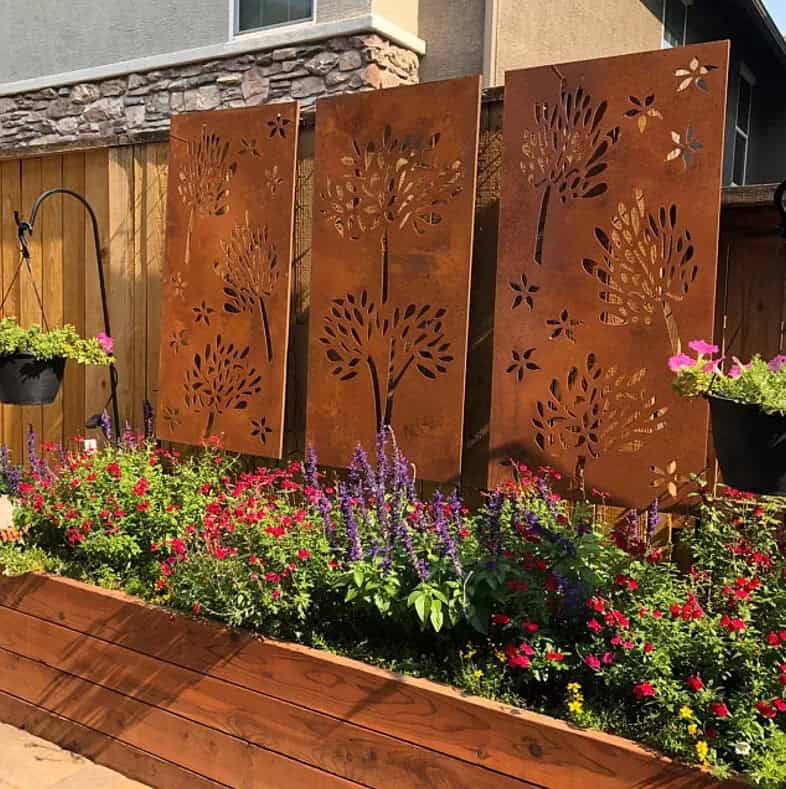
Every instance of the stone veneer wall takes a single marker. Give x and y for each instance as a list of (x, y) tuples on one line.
[(144, 102)]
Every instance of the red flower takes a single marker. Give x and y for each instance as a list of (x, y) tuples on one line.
[(773, 640), (113, 470), (516, 658), (530, 627), (594, 625), (648, 646), (765, 710), (719, 709), (303, 554), (694, 683), (500, 619), (141, 486), (551, 584), (644, 690), (608, 658), (197, 608), (143, 506), (557, 656), (593, 662), (779, 705), (626, 582)]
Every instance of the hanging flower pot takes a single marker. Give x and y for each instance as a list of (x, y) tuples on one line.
[(748, 413), (25, 380), (32, 361), (750, 446)]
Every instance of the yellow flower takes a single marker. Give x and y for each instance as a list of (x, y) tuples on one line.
[(576, 707), (686, 713), (702, 749), (477, 674), (501, 656), (693, 729), (574, 687), (470, 653)]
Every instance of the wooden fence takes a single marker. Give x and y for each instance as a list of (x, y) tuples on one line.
[(126, 184)]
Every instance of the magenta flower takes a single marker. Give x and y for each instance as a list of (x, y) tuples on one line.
[(679, 361), (738, 368), (703, 347), (713, 366), (106, 342), (777, 363)]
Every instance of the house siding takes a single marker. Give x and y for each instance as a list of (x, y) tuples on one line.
[(454, 38)]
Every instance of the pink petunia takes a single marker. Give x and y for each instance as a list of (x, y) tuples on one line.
[(679, 361), (776, 363), (106, 342), (703, 347)]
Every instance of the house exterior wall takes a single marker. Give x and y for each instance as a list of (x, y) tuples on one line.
[(454, 38), (539, 32)]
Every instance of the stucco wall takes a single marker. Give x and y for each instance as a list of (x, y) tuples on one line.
[(453, 32), (42, 37), (332, 10), (538, 32)]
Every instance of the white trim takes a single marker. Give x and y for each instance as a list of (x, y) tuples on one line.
[(745, 75), (490, 23), (234, 20), (288, 35)]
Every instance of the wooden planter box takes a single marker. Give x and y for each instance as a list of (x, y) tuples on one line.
[(175, 702)]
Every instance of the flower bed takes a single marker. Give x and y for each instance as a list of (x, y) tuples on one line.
[(176, 702), (526, 602)]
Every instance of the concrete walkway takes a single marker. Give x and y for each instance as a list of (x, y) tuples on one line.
[(27, 761)]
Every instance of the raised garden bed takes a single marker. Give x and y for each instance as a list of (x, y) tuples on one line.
[(176, 702)]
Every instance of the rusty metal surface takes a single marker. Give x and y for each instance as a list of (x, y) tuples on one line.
[(607, 257), (226, 288), (392, 246)]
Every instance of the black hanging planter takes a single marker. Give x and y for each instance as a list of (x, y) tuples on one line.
[(25, 380), (750, 446)]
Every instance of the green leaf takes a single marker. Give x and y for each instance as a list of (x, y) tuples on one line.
[(437, 617), (357, 575), (422, 606)]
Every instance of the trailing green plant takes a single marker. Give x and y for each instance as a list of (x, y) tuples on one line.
[(758, 382), (62, 342)]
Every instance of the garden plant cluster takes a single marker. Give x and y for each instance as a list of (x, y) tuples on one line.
[(526, 599)]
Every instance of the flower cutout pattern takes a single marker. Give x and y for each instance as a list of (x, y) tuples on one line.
[(249, 148), (694, 74), (202, 313), (668, 478), (177, 285), (685, 146), (564, 325), (171, 417), (260, 429), (524, 292), (278, 126), (643, 110), (522, 361), (273, 180), (178, 340)]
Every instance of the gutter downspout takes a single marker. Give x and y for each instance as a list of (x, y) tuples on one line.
[(490, 25)]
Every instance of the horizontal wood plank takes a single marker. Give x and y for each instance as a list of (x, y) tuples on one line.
[(155, 731), (98, 747), (525, 745), (322, 741)]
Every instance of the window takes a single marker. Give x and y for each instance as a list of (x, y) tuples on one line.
[(675, 23), (253, 14), (742, 127)]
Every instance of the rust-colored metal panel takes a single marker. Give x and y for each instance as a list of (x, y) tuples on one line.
[(225, 304), (393, 219), (607, 257)]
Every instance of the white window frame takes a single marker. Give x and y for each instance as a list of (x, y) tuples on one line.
[(236, 32), (687, 3), (745, 75)]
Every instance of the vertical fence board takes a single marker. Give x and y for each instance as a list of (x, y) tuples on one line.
[(96, 193), (74, 219), (121, 264), (10, 176), (29, 308), (52, 275)]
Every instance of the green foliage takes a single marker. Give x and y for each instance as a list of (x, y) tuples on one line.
[(527, 600), (61, 342), (759, 382)]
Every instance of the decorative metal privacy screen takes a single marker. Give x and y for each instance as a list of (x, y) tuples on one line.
[(608, 243), (392, 245), (225, 309)]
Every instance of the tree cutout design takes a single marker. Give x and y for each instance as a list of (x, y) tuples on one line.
[(204, 180), (250, 272), (391, 182), (566, 152), (260, 429), (563, 326), (525, 292), (647, 263), (596, 413), (220, 380), (387, 343)]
